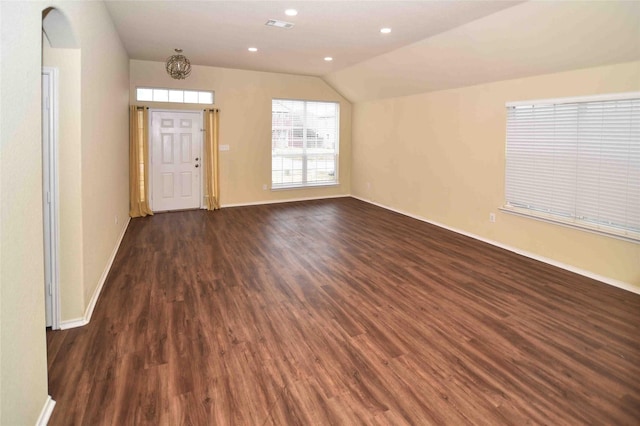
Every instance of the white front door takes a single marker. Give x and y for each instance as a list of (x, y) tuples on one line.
[(176, 153)]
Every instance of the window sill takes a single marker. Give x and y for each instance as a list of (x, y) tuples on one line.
[(620, 234), (320, 185)]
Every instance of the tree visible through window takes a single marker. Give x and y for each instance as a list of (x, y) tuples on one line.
[(304, 143)]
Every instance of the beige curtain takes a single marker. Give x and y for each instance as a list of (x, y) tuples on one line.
[(138, 157), (212, 188)]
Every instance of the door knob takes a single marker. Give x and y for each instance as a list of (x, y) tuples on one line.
[(197, 159), (197, 165)]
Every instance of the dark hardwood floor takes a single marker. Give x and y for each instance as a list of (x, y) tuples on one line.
[(339, 312)]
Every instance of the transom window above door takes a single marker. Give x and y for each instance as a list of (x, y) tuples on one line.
[(154, 94)]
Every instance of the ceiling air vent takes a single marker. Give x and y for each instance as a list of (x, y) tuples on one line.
[(279, 24)]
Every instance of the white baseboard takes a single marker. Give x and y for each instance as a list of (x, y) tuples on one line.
[(73, 323), (583, 272), (46, 412), (79, 322), (289, 200), (105, 273)]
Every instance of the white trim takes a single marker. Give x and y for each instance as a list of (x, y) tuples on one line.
[(94, 299), (610, 281), (574, 99), (47, 410), (54, 205), (289, 200), (203, 172), (200, 110), (620, 234), (292, 188), (73, 323), (79, 322)]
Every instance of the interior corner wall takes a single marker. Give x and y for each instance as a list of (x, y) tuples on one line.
[(23, 360), (94, 198), (244, 98), (441, 156), (68, 63), (105, 138)]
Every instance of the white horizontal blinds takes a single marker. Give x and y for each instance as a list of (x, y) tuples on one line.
[(541, 152), (609, 164), (576, 161), (304, 143)]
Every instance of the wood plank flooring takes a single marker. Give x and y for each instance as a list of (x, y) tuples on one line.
[(339, 312)]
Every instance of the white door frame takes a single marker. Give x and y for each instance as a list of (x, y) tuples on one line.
[(150, 151), (50, 198)]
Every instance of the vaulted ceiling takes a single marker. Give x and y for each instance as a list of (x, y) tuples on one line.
[(433, 45)]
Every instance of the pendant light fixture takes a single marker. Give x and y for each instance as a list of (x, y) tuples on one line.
[(178, 66)]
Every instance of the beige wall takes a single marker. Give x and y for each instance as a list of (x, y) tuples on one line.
[(105, 138), (23, 361), (93, 151), (244, 99), (440, 156), (67, 62)]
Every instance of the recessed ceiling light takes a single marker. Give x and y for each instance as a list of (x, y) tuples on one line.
[(291, 12), (385, 30), (252, 49), (328, 58)]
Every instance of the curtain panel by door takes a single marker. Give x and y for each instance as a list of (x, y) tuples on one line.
[(138, 159), (212, 187)]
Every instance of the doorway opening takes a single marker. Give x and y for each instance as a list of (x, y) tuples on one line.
[(50, 198), (60, 55)]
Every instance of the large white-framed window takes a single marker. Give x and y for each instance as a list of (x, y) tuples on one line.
[(304, 143), (576, 161)]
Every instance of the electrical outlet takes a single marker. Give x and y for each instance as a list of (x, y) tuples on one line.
[(116, 219), (492, 217), (264, 186), (368, 186)]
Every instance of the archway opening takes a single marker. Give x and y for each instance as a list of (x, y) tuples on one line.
[(61, 164)]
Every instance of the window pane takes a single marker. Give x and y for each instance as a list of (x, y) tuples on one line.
[(321, 168), (176, 96), (190, 97), (143, 94), (160, 95), (205, 97), (304, 143)]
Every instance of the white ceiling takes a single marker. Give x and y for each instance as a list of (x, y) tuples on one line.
[(532, 38), (218, 33), (434, 44)]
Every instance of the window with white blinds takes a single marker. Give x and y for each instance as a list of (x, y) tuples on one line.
[(304, 143), (577, 162)]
